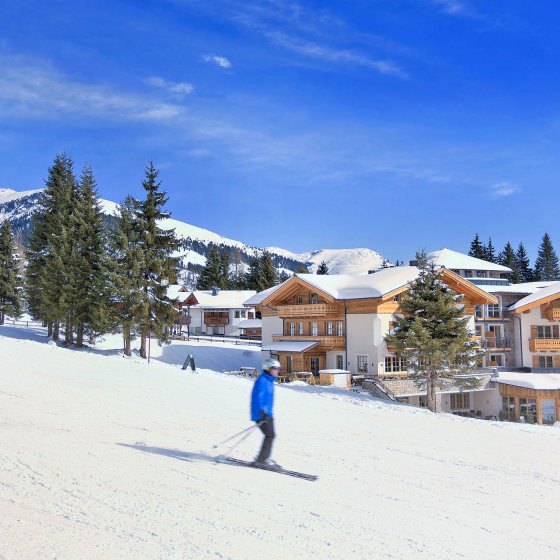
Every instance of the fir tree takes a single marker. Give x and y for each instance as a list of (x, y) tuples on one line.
[(477, 248), (283, 276), (432, 334), (10, 302), (254, 279), (160, 268), (323, 268), (546, 265), (523, 270), (269, 273), (211, 275), (490, 252), (225, 280), (508, 258), (302, 269)]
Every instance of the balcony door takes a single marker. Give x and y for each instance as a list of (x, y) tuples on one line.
[(315, 365)]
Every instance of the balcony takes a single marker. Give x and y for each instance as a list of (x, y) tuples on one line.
[(494, 343), (536, 344), (326, 342), (216, 319), (308, 310), (552, 314)]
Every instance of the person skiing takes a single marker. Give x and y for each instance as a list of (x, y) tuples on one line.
[(262, 400)]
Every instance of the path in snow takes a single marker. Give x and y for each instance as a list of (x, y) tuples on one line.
[(104, 457)]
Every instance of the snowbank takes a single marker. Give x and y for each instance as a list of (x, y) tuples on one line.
[(106, 457)]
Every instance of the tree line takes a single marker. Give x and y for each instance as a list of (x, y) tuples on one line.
[(546, 264)]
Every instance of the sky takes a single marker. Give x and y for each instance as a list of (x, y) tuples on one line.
[(396, 125)]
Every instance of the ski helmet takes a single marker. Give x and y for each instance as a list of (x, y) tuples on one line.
[(271, 363)]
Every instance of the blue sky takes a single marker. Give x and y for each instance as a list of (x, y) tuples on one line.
[(390, 124)]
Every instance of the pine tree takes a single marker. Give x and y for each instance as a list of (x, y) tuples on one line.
[(159, 267), (269, 273), (477, 248), (490, 252), (302, 269), (10, 302), (225, 279), (523, 270), (211, 276), (323, 268), (254, 279), (508, 258), (546, 265), (432, 333), (283, 276)]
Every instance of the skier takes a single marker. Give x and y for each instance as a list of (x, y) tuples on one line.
[(262, 399)]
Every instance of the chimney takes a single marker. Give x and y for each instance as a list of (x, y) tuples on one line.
[(215, 291)]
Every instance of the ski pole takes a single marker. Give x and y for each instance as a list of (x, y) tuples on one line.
[(252, 427), (243, 438)]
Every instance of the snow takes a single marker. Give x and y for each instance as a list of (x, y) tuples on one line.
[(459, 261), (223, 299), (9, 195), (250, 324), (106, 457), (542, 381), (522, 288), (550, 291), (289, 345)]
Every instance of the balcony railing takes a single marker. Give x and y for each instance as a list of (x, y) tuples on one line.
[(307, 310), (335, 342), (491, 342), (553, 314), (536, 344)]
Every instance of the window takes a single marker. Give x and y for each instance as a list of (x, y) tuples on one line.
[(339, 328), (362, 364), (237, 314), (299, 300), (339, 361), (508, 408), (292, 329), (545, 361), (314, 298), (478, 330), (289, 364), (300, 328), (547, 331), (329, 328), (493, 310), (548, 412), (394, 363), (468, 273), (314, 329), (478, 311), (460, 401), (528, 409), (396, 298), (496, 360), (481, 274), (243, 314), (314, 362), (423, 401)]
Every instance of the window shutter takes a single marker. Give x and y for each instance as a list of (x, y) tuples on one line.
[(535, 360), (533, 331)]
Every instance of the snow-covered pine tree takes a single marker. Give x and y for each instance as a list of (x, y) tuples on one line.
[(269, 272), (490, 252), (126, 265), (432, 334), (211, 274), (323, 268), (283, 276), (546, 265), (46, 273), (523, 268), (508, 258), (160, 267), (302, 269), (10, 302), (477, 248)]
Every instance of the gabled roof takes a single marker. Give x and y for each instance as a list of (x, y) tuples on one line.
[(525, 288), (459, 261), (538, 381), (540, 297), (205, 298), (378, 285)]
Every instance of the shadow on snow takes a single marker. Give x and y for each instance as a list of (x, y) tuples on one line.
[(174, 453)]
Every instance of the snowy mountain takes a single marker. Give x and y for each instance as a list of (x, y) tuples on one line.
[(19, 206)]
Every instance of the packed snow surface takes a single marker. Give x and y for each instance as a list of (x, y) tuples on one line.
[(105, 457)]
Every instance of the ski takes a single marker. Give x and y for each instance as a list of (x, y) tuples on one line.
[(250, 464)]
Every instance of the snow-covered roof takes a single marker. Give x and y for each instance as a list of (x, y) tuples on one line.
[(521, 288), (289, 345), (544, 293), (459, 261), (539, 381), (174, 292), (258, 297), (250, 324), (334, 371), (224, 299)]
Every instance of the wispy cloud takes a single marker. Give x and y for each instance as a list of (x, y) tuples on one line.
[(220, 61), (32, 88), (175, 88), (451, 7), (503, 189)]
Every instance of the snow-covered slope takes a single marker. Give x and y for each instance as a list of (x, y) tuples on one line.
[(18, 207), (104, 457), (339, 261)]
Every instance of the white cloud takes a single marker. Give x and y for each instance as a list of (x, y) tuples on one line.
[(176, 88), (30, 88), (500, 190), (451, 7), (220, 61)]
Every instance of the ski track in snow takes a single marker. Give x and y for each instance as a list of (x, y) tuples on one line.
[(104, 457)]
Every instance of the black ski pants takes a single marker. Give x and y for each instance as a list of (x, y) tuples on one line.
[(267, 428)]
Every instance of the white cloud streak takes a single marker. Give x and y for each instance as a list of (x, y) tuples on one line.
[(451, 7), (220, 61), (175, 88), (503, 189)]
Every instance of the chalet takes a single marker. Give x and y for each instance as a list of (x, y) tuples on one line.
[(339, 322)]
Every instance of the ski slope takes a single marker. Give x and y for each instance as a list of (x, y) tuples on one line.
[(105, 457)]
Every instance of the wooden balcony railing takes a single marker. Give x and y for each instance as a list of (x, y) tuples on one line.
[(536, 344), (552, 314), (307, 310), (328, 342), (491, 342)]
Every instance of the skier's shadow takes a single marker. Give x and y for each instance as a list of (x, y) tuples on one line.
[(175, 453)]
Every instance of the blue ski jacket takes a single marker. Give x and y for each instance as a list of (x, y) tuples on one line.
[(262, 397)]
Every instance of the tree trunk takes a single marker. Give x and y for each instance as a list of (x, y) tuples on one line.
[(143, 338), (80, 335), (431, 398), (56, 330), (49, 329), (1, 317), (126, 340)]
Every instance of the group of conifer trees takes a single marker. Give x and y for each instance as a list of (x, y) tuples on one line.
[(546, 264), (85, 277), (10, 277)]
